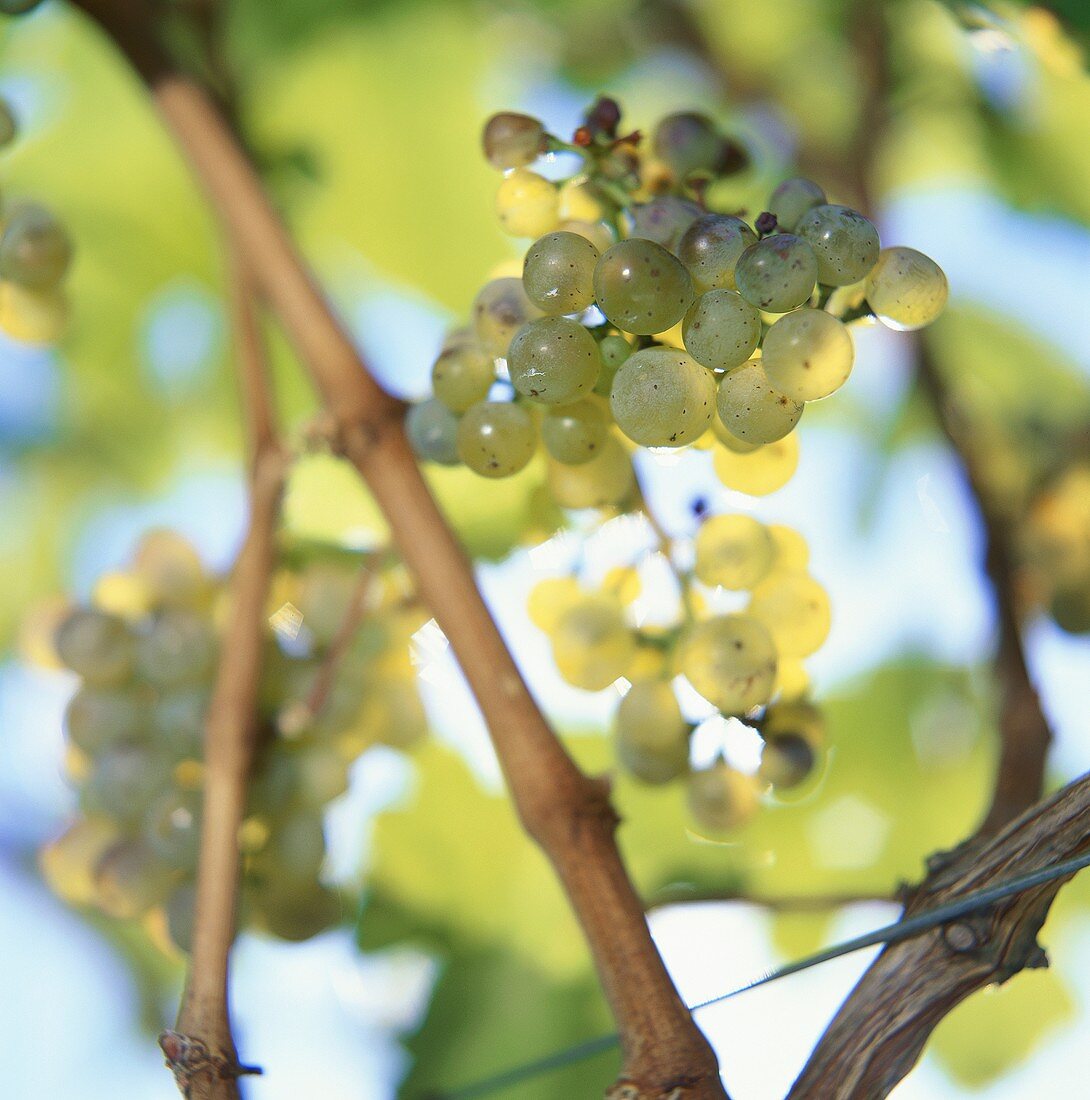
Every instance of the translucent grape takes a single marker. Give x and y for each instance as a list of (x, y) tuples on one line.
[(130, 879), (575, 433), (721, 329), (553, 360), (662, 398), (598, 233), (733, 552), (791, 549), (795, 610), (758, 472), (791, 200), (778, 273), (463, 373), (99, 717), (786, 761), (325, 588), (549, 599), (496, 439), (607, 479), (581, 201), (651, 735), (720, 798), (730, 660), (711, 248), (433, 432), (641, 287), (170, 569), (792, 679), (527, 204), (177, 721), (845, 243), (614, 350), (124, 781), (511, 140), (500, 309), (558, 272), (752, 409), (906, 289), (689, 143), (664, 220), (297, 912), (807, 355), (97, 646), (729, 439), (35, 250), (592, 643), (172, 828), (178, 648)]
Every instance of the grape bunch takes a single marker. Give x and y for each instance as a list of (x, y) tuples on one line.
[(145, 653), (35, 254)]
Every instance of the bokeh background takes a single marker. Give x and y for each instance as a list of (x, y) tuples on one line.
[(365, 117)]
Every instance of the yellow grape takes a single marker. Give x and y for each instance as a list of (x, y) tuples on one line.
[(792, 679), (752, 409), (791, 551), (549, 599), (500, 309), (32, 316), (721, 798), (906, 289), (807, 354), (795, 609), (733, 552), (730, 660), (607, 479), (651, 735), (761, 471), (527, 204), (592, 644), (662, 398)]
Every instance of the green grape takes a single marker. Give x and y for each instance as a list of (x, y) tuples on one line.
[(321, 775), (170, 569), (794, 609), (35, 250), (130, 879), (295, 849), (558, 272), (641, 287), (180, 908), (730, 660), (177, 721), (575, 433), (733, 552), (607, 479), (807, 355), (751, 409), (500, 309), (172, 828), (778, 273), (432, 430), (98, 717), (592, 644), (553, 360), (599, 234), (791, 200), (711, 248), (845, 243), (97, 646), (786, 761), (664, 220), (1069, 606), (906, 289), (614, 350), (8, 128), (527, 205), (298, 911), (124, 781), (730, 440), (323, 591), (496, 439), (688, 142), (463, 373), (178, 648), (663, 398), (511, 140), (721, 329), (652, 736), (720, 798), (761, 471)]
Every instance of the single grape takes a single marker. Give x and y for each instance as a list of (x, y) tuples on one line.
[(581, 201), (778, 273), (752, 409), (795, 610), (178, 648), (99, 717), (791, 549), (662, 398), (758, 472), (786, 762), (845, 243), (553, 360), (792, 679), (558, 272), (549, 599), (721, 798), (527, 205), (8, 127), (651, 735), (321, 775), (607, 479), (592, 643), (729, 440), (296, 848), (906, 289), (711, 248), (730, 660), (796, 719), (464, 372), (575, 433), (170, 569), (298, 911), (124, 781), (807, 355), (496, 439), (791, 200), (600, 234), (324, 589), (177, 721), (690, 144), (130, 879), (96, 646), (511, 140), (664, 220), (721, 329), (35, 250), (641, 287), (614, 350), (500, 309), (172, 828), (433, 432), (732, 552)]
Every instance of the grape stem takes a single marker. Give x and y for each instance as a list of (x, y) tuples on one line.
[(567, 812)]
